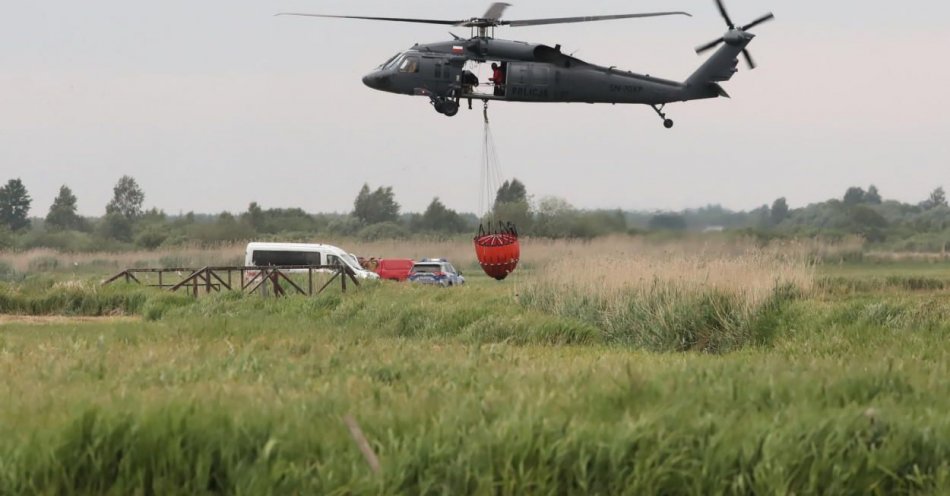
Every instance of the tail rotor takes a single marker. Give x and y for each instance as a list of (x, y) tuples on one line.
[(736, 34)]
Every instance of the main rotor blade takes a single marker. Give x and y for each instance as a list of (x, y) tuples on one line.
[(710, 45), (722, 10), (390, 19), (496, 10), (748, 58), (567, 20), (765, 18)]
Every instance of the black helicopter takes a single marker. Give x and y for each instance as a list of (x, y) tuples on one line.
[(525, 72)]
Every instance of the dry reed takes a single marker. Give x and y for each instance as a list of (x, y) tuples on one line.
[(688, 255), (616, 267), (713, 296)]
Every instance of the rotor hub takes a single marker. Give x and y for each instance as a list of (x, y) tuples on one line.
[(736, 37), (477, 22)]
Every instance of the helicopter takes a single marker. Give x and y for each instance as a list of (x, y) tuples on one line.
[(526, 72)]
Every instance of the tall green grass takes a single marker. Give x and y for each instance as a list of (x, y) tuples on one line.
[(484, 389), (79, 299), (203, 450), (843, 285), (670, 318), (477, 313), (232, 405)]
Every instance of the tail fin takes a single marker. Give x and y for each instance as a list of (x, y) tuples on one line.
[(721, 66)]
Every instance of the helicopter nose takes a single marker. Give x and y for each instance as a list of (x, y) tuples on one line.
[(370, 80), (377, 80)]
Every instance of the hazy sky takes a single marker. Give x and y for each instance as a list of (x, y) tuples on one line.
[(212, 104)]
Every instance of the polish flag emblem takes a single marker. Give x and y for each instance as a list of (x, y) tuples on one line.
[(458, 49)]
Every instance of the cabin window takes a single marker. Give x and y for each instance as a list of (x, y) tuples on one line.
[(409, 64), (272, 257), (389, 61), (334, 260)]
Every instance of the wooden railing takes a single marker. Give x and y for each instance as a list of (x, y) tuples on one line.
[(249, 279)]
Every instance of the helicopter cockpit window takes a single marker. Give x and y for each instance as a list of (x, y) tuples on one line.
[(389, 61), (409, 64)]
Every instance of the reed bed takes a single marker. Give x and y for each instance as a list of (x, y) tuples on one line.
[(612, 271), (712, 297), (46, 260), (535, 251)]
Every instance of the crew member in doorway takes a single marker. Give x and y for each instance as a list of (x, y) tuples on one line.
[(469, 82), (498, 77)]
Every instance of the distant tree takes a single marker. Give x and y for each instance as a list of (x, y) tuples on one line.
[(345, 226), (554, 218), (938, 198), (362, 206), (511, 192), (255, 216), (553, 206), (152, 236), (223, 227), (594, 223), (864, 217), (375, 207), (281, 220), (668, 222), (385, 206), (278, 220), (383, 230), (153, 215), (715, 217), (872, 196), (127, 199), (438, 217), (62, 213), (866, 221), (6, 241), (511, 205), (779, 211), (517, 213), (115, 226), (15, 205), (854, 196), (761, 217)]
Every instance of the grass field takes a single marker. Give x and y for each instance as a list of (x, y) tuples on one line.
[(679, 368)]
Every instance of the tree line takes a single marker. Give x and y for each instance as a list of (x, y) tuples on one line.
[(376, 214)]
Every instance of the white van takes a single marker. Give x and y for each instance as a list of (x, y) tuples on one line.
[(264, 254)]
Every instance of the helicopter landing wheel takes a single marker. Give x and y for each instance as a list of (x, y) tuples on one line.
[(449, 108), (445, 107), (667, 123)]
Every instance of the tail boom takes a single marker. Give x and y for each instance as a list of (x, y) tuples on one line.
[(721, 66)]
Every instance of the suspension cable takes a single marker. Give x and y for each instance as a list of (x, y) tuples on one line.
[(491, 175)]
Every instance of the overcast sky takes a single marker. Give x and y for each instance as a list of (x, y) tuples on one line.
[(212, 104)]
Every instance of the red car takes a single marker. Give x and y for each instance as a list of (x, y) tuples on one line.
[(394, 269)]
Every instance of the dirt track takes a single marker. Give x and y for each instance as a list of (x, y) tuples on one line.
[(61, 319)]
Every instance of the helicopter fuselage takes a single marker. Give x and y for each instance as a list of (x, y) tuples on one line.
[(533, 73)]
